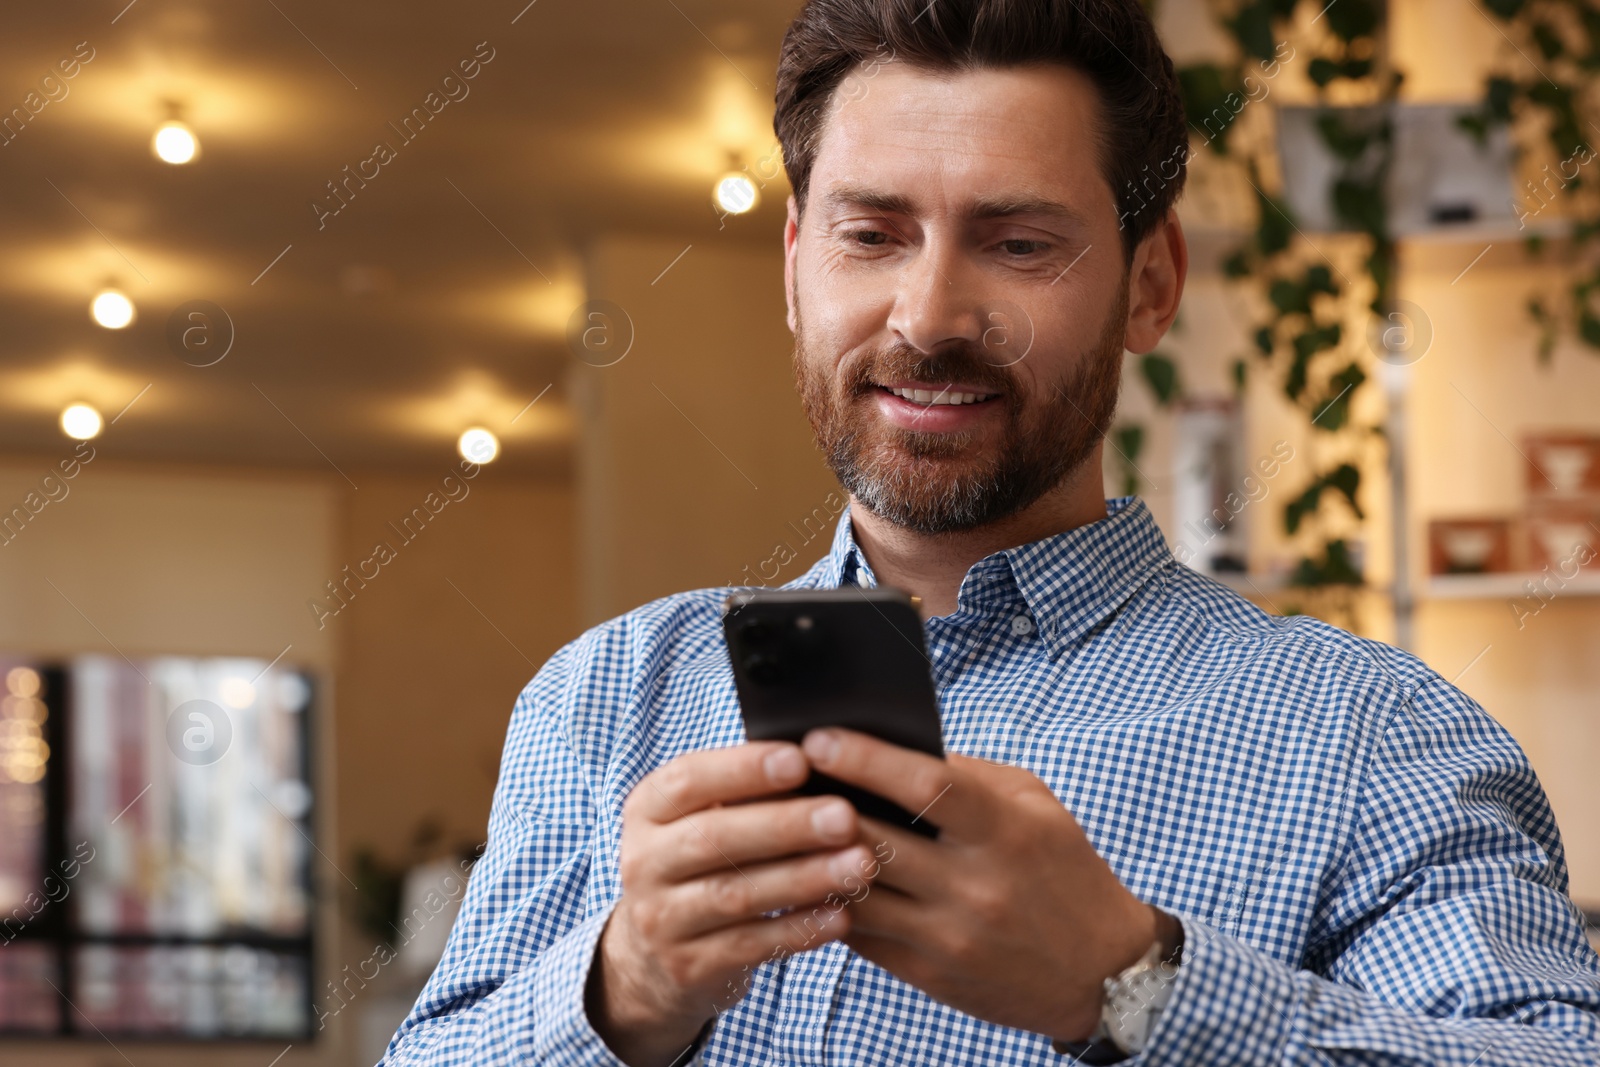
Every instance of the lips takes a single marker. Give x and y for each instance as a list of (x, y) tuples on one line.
[(936, 407)]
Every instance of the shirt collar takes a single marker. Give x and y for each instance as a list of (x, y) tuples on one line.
[(1068, 582)]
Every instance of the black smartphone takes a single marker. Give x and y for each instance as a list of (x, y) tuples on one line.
[(851, 657)]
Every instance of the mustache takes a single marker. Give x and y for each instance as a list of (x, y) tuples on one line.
[(965, 364)]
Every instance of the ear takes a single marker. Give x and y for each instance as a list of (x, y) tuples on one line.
[(791, 234), (1155, 284)]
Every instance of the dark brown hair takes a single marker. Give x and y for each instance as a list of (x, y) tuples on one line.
[(1142, 135)]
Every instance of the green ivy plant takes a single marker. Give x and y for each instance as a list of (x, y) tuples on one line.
[(1301, 339), (1543, 84)]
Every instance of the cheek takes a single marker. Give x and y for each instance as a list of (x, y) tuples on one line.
[(837, 317)]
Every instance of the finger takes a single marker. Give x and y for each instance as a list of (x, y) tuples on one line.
[(932, 789), (729, 898), (742, 834), (888, 914), (906, 862), (739, 950), (695, 781)]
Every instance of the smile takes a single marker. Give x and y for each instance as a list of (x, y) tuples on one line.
[(933, 397)]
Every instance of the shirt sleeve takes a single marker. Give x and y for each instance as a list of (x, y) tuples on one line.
[(1446, 937), (510, 986)]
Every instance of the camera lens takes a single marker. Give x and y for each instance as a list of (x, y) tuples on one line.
[(763, 670)]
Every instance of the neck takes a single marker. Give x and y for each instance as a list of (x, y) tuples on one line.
[(931, 566)]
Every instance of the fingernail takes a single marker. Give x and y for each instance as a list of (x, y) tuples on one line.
[(847, 864), (784, 764), (821, 746), (832, 820)]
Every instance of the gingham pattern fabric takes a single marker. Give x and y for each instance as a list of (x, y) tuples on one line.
[(1365, 865)]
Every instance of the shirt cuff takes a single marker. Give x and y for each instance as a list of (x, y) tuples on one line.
[(1229, 1004), (564, 1033)]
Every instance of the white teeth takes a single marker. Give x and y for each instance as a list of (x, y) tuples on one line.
[(926, 396)]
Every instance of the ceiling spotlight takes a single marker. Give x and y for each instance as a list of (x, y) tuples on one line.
[(81, 421), (735, 193), (111, 309), (175, 143), (478, 445)]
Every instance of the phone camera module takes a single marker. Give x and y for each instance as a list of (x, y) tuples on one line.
[(763, 670)]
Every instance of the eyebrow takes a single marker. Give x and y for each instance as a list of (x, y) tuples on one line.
[(985, 207)]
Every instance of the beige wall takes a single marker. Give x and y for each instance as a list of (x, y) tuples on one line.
[(418, 675), (695, 460)]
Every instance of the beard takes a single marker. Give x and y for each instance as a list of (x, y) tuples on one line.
[(938, 483)]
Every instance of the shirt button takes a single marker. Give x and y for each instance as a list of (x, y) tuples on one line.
[(1021, 624), (861, 578)]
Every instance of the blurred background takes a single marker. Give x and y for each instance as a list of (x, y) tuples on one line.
[(356, 357)]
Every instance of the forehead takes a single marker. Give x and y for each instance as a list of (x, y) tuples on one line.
[(963, 135)]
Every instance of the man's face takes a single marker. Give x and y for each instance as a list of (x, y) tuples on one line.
[(958, 292)]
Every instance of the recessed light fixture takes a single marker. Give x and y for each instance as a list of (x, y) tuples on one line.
[(175, 143), (478, 445), (81, 421), (735, 193), (111, 309)]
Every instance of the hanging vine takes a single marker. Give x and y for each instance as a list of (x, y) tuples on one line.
[(1302, 340), (1542, 88)]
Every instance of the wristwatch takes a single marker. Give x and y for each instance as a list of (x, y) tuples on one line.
[(1134, 999)]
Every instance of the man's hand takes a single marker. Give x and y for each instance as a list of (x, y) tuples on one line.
[(700, 868), (1011, 915)]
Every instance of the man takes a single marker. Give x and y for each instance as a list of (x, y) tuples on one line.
[(1170, 825)]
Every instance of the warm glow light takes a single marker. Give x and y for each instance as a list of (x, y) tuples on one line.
[(238, 693), (478, 445), (736, 193), (81, 421), (111, 309), (175, 143)]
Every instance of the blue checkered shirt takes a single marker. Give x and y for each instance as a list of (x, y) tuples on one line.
[(1365, 865)]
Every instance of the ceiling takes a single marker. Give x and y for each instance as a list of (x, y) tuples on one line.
[(436, 298)]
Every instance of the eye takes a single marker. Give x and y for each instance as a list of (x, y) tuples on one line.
[(1028, 246), (856, 235)]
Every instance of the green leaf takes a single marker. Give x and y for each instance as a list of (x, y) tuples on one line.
[(1337, 567), (1206, 89), (1322, 71), (1296, 510), (1589, 329), (1272, 232), (1237, 265), (1252, 28), (1332, 413), (1289, 296), (1319, 279), (1547, 328), (1161, 374), (1360, 205), (1475, 125), (1334, 568), (1264, 341), (1349, 19), (1241, 374), (1343, 140), (1315, 339), (1501, 93), (1130, 441), (1347, 479), (1506, 9), (1294, 382), (1549, 42)]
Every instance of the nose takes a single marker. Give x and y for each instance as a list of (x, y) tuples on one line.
[(935, 300)]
